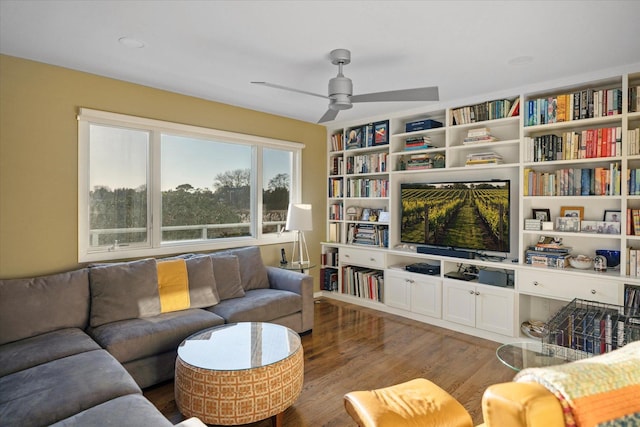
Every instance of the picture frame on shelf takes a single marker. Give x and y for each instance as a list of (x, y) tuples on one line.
[(568, 224), (589, 226), (543, 215), (608, 227), (611, 215), (572, 211), (366, 212), (381, 133)]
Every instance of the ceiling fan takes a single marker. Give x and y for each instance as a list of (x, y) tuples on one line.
[(341, 90)]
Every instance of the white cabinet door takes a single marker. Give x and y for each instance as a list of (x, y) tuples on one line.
[(495, 309), (459, 302), (426, 296), (397, 290)]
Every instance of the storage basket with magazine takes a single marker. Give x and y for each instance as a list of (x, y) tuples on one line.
[(585, 328)]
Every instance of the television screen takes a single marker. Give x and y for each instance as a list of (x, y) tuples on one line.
[(467, 215)]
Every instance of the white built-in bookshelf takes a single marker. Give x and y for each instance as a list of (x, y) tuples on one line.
[(593, 171)]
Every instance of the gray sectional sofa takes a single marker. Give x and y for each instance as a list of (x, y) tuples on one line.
[(76, 348)]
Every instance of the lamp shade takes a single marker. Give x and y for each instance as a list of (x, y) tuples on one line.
[(299, 217)]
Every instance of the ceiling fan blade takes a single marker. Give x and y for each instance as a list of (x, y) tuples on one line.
[(290, 89), (417, 94), (328, 116)]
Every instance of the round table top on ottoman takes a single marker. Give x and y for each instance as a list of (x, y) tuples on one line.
[(239, 373)]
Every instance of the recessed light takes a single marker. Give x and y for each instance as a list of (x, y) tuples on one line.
[(131, 43), (521, 60)]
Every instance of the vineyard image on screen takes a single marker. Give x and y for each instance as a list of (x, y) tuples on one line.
[(466, 215)]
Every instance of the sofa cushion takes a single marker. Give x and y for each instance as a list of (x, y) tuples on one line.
[(134, 339), (53, 391), (125, 290), (132, 410), (33, 351), (203, 291), (253, 273), (30, 307), (259, 305), (173, 285), (227, 273)]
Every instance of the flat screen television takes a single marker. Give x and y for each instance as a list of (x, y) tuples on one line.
[(471, 215)]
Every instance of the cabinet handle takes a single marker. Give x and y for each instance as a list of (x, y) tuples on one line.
[(347, 256), (535, 283), (593, 291), (477, 293), (408, 280), (472, 293), (372, 259)]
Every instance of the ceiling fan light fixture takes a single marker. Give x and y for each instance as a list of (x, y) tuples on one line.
[(340, 102)]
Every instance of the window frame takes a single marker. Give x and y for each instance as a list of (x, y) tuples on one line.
[(156, 128)]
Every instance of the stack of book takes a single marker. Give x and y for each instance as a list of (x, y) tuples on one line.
[(418, 143), (483, 159), (368, 234), (329, 278), (419, 161), (480, 135), (548, 252)]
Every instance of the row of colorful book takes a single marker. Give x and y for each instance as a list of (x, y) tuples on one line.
[(598, 181), (337, 166), (329, 279), (587, 144), (582, 104), (335, 212), (363, 282), (367, 163), (367, 187), (369, 135), (633, 182), (337, 142), (491, 110), (335, 187), (483, 159), (633, 142)]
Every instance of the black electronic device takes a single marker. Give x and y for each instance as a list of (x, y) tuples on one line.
[(423, 268), (283, 257), (460, 275), (453, 253)]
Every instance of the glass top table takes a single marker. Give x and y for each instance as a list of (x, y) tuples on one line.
[(235, 346), (523, 355)]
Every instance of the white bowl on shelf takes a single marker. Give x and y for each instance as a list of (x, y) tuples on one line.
[(581, 262)]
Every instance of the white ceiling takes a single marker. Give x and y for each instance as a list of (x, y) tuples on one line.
[(213, 49)]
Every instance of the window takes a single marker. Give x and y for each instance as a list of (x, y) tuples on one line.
[(148, 187)]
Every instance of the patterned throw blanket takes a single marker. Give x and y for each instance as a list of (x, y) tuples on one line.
[(602, 391)]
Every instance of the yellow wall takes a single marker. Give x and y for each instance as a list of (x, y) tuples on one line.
[(38, 156)]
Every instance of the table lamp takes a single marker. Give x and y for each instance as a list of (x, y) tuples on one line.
[(299, 219)]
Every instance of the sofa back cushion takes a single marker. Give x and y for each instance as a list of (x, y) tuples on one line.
[(253, 273), (226, 270), (30, 307), (127, 290), (203, 290)]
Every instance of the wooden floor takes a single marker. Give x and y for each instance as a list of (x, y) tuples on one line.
[(355, 348)]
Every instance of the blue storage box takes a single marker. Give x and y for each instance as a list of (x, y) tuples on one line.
[(422, 125)]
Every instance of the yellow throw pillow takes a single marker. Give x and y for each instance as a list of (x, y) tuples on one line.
[(173, 285)]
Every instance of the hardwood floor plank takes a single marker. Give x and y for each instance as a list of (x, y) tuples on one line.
[(356, 348)]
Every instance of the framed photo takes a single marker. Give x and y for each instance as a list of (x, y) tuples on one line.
[(381, 133), (589, 226), (611, 216), (607, 227), (366, 212), (543, 215), (568, 223), (572, 211)]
